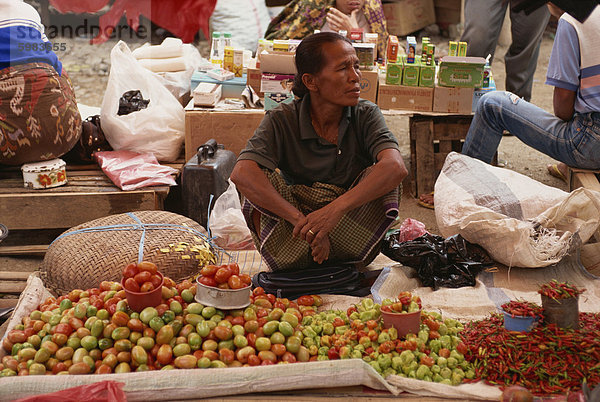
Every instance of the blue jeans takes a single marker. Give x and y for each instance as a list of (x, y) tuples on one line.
[(575, 142)]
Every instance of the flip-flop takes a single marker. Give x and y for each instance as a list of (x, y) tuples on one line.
[(426, 204), (555, 171)]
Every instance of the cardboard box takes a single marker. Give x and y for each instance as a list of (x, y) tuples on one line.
[(271, 82), (406, 16), (207, 94), (253, 77), (231, 88), (393, 74), (274, 99), (427, 76), (447, 12), (277, 62), (230, 128), (410, 74), (419, 99), (365, 53), (368, 85), (461, 71), (453, 100)]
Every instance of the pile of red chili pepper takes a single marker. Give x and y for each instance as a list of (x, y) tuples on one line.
[(517, 308), (547, 360), (559, 290)]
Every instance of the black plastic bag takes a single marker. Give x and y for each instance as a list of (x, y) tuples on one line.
[(132, 101), (343, 279), (450, 263)]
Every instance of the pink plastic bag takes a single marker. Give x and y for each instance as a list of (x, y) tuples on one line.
[(130, 170), (411, 229), (103, 391)]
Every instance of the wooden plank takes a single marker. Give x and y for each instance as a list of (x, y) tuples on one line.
[(14, 275), (583, 179), (7, 303), (12, 287), (425, 175), (37, 249), (58, 210)]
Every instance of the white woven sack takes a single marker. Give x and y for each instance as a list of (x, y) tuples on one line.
[(519, 221), (246, 20)]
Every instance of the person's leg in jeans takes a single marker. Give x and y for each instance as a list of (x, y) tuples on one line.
[(498, 111), (483, 22), (521, 58)]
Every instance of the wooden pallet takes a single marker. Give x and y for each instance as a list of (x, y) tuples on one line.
[(89, 194)]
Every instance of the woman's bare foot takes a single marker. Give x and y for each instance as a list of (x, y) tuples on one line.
[(426, 200)]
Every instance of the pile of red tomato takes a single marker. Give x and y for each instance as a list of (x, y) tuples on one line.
[(226, 276), (406, 303), (142, 277)]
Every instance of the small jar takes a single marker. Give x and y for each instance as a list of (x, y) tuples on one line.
[(45, 174)]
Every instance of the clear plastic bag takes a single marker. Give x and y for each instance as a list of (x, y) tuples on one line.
[(227, 223)]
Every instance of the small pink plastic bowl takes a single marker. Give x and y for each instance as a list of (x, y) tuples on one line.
[(404, 323)]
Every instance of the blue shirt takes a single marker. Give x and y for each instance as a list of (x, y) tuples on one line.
[(575, 62), (21, 42)]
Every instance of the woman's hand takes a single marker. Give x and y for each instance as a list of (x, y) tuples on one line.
[(315, 229), (340, 21)]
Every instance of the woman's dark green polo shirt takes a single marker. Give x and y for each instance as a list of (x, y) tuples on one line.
[(287, 140)]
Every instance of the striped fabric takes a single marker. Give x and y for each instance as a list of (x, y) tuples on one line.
[(575, 60), (22, 38), (355, 239)]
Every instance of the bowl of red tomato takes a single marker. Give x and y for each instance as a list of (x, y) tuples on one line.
[(143, 284), (222, 286)]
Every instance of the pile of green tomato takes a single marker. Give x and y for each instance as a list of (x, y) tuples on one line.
[(94, 331)]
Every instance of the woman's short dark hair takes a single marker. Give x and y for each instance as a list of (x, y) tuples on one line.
[(310, 57)]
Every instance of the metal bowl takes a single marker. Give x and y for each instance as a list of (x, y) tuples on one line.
[(225, 299)]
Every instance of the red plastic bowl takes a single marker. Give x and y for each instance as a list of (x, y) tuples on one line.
[(403, 322), (140, 300)]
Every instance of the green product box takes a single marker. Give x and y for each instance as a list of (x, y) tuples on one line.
[(393, 74), (427, 76), (410, 75), (410, 71), (461, 71)]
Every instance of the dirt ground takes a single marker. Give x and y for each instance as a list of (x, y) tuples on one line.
[(88, 67)]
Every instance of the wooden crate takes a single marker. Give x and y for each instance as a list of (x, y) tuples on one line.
[(34, 217), (432, 138), (587, 179), (583, 178)]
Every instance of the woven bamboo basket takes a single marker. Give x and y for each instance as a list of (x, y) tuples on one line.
[(98, 250)]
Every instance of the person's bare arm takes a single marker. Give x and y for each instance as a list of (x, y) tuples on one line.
[(386, 174), (564, 103), (252, 182)]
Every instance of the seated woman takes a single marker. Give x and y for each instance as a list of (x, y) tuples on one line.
[(302, 17), (39, 119), (336, 190)]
